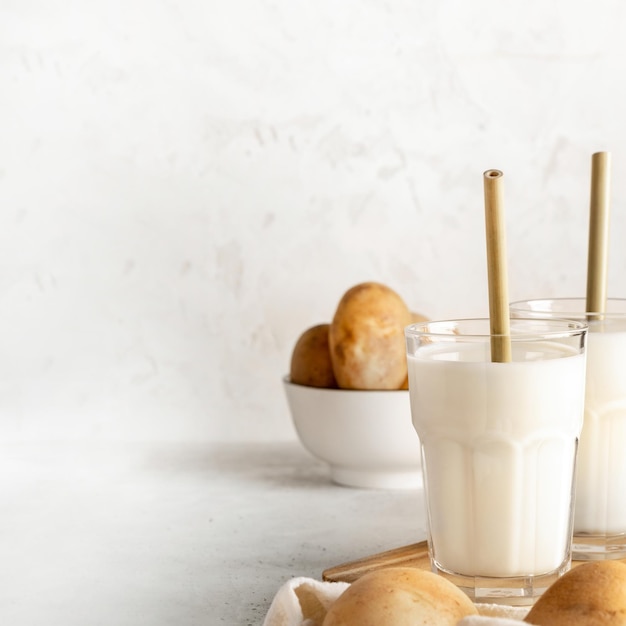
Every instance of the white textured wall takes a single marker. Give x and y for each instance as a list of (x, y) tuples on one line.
[(186, 186)]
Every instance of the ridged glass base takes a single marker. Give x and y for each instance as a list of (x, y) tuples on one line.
[(590, 547), (512, 591)]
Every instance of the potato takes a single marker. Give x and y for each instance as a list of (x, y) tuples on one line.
[(591, 594), (310, 359), (400, 596), (367, 345)]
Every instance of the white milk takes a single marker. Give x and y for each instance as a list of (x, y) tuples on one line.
[(601, 473), (498, 444)]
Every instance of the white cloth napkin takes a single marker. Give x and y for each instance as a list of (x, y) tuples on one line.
[(305, 601)]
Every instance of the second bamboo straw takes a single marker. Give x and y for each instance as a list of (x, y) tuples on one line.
[(597, 260)]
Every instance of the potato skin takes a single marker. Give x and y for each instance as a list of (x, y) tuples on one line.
[(367, 345), (400, 596), (590, 594), (310, 359)]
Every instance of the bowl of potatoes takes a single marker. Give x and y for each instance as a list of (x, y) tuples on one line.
[(348, 395)]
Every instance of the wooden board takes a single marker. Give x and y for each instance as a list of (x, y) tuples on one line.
[(414, 555)]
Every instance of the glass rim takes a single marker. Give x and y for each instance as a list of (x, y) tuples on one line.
[(565, 312), (566, 328)]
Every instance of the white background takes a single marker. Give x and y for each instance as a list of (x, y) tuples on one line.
[(186, 186)]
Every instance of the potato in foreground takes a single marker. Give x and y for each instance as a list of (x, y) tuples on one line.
[(367, 345), (310, 359), (591, 594), (400, 596)]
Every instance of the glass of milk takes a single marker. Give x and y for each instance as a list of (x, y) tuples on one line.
[(600, 510), (499, 445)]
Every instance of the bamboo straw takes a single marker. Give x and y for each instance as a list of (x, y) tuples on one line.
[(597, 259), (496, 268)]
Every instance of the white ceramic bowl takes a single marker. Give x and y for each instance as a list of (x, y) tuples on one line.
[(366, 437)]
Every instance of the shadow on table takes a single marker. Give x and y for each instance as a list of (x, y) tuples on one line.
[(286, 464)]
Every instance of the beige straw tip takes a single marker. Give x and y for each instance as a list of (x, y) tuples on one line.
[(493, 174)]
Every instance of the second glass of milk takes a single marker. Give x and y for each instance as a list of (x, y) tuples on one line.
[(499, 443), (600, 511)]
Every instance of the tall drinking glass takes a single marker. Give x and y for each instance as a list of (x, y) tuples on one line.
[(499, 445), (600, 510)]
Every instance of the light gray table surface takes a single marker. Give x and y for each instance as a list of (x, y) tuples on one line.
[(184, 534)]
